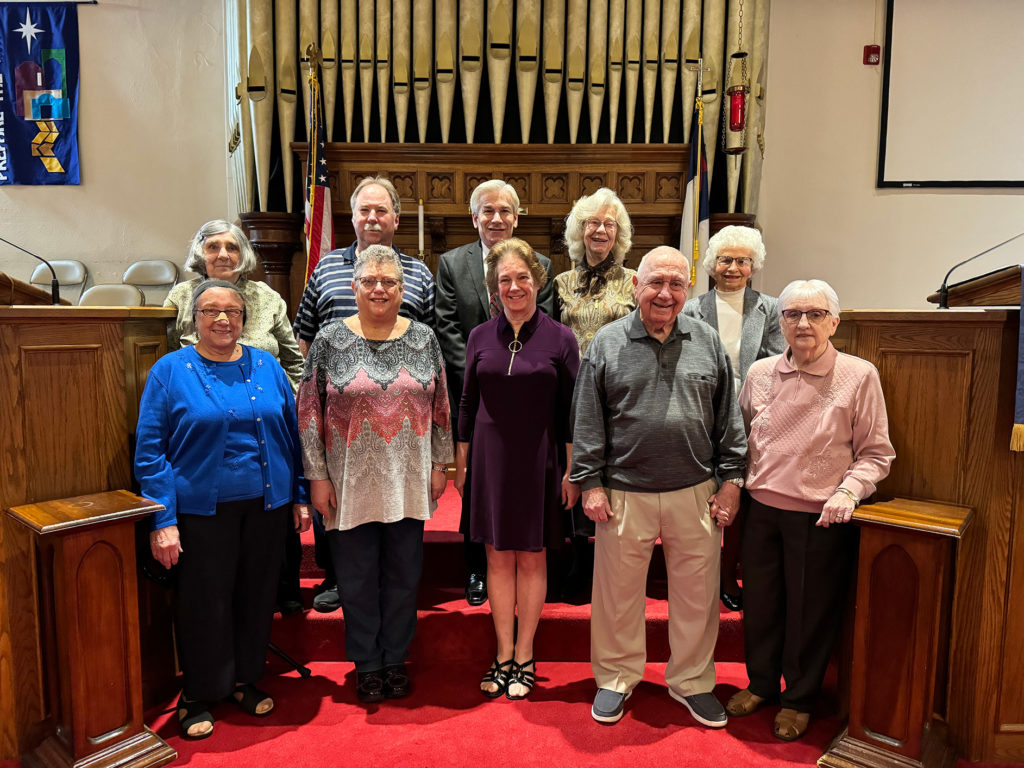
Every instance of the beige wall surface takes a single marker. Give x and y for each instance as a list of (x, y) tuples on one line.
[(152, 143), (822, 215)]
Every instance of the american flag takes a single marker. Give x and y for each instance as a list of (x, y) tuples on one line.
[(693, 234), (319, 224)]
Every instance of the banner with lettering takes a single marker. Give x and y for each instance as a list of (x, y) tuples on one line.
[(38, 93)]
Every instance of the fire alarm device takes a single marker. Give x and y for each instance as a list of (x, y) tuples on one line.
[(872, 54)]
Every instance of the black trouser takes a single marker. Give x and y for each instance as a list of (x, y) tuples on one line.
[(378, 567), (795, 578), (227, 581), (322, 549)]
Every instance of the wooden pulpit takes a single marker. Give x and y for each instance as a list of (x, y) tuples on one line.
[(70, 382), (82, 553), (15, 291)]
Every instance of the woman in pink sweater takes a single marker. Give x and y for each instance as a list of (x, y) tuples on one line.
[(818, 441)]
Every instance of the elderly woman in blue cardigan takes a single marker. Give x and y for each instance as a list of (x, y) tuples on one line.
[(217, 445)]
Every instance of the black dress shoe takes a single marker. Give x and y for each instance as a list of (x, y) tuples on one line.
[(733, 602), (396, 682), (476, 589), (370, 687)]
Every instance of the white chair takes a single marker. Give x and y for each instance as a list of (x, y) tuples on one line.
[(155, 277), (113, 295), (71, 275)]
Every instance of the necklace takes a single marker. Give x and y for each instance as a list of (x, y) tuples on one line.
[(513, 346)]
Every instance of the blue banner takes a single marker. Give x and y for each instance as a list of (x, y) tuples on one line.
[(38, 93)]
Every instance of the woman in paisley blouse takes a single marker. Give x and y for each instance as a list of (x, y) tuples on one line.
[(597, 290), (375, 427)]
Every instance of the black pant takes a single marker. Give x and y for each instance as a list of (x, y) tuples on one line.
[(378, 567), (227, 581), (795, 578)]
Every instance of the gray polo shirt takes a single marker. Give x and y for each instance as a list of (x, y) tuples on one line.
[(653, 417)]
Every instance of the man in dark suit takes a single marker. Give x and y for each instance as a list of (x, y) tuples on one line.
[(461, 303)]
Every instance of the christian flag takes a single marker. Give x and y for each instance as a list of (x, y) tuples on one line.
[(38, 93), (693, 233), (319, 222)]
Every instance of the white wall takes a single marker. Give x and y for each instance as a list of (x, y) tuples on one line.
[(152, 143), (820, 210)]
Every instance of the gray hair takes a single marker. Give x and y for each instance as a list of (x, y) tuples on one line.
[(589, 205), (734, 236), (207, 285), (385, 184), (493, 185), (196, 260), (663, 250), (809, 289), (378, 254)]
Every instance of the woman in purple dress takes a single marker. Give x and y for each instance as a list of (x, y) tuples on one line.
[(520, 371)]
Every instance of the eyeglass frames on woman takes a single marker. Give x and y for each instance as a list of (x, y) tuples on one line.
[(213, 314), (369, 283), (741, 261), (610, 225), (814, 316)]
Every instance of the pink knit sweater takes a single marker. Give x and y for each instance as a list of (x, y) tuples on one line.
[(810, 431)]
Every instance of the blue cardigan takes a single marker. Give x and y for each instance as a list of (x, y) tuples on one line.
[(181, 435)]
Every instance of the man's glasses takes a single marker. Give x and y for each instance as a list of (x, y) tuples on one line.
[(213, 314), (814, 316), (369, 283)]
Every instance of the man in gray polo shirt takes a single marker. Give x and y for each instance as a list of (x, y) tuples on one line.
[(658, 451)]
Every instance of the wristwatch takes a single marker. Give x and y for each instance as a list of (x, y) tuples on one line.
[(737, 481)]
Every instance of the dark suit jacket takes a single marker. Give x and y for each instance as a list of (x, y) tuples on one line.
[(761, 335), (461, 303)]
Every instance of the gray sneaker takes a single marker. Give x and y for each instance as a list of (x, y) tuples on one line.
[(705, 708), (608, 706)]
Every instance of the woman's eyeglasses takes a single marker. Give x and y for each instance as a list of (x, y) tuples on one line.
[(741, 261), (610, 225), (814, 316), (213, 314), (369, 283)]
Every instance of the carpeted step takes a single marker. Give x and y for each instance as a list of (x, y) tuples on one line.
[(449, 629)]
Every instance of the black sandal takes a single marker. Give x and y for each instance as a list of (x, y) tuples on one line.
[(499, 674), (524, 677), (251, 698), (192, 713)]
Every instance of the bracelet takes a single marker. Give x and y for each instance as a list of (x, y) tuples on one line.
[(849, 493), (439, 467)]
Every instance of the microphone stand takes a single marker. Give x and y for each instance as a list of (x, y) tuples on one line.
[(944, 288), (54, 284)]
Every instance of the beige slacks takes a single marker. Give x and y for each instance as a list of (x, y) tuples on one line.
[(692, 545)]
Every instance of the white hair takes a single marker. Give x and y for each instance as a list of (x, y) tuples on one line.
[(809, 289), (493, 185), (734, 236)]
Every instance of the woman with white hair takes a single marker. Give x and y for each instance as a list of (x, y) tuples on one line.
[(597, 290), (748, 323), (221, 250), (818, 442)]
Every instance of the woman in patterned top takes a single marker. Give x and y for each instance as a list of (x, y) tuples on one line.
[(375, 427), (597, 290), (222, 251)]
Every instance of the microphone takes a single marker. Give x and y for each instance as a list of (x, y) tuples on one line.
[(54, 284), (944, 288)]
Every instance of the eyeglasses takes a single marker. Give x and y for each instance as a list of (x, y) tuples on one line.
[(213, 314), (369, 283), (741, 261), (814, 316), (610, 225)]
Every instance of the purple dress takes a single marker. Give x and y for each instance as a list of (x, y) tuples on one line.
[(518, 427)]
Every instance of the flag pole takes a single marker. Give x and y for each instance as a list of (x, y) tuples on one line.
[(699, 106)]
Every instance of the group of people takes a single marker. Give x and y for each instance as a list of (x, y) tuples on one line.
[(595, 403)]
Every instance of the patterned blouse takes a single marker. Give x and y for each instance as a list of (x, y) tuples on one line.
[(266, 323), (373, 416), (586, 314)]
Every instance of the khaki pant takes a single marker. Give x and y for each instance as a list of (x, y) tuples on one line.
[(692, 544)]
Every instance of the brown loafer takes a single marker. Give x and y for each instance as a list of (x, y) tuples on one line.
[(790, 725), (744, 703)]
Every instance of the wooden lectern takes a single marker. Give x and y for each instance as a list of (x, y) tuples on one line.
[(15, 291), (70, 382), (949, 379), (83, 554)]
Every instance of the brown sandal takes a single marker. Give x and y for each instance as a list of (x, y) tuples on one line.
[(744, 703), (790, 725)]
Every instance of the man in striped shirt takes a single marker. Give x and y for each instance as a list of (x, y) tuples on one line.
[(328, 295)]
